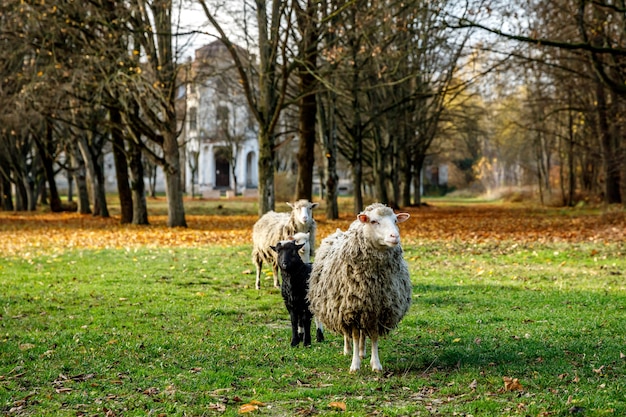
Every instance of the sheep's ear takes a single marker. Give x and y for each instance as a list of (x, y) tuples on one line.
[(289, 204), (274, 248), (402, 217), (313, 205), (298, 247), (363, 218)]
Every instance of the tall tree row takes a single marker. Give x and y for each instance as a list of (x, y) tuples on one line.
[(95, 76), (571, 55)]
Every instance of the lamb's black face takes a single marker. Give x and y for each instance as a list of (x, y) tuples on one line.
[(288, 254)]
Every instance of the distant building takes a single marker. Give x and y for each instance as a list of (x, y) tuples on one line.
[(219, 132)]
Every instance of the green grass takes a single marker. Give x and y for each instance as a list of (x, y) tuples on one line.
[(182, 332)]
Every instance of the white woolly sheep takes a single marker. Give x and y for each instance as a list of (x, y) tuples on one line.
[(360, 284), (274, 227), (294, 289)]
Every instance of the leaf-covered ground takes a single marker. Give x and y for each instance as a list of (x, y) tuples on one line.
[(468, 223)]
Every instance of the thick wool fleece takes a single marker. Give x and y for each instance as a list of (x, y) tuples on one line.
[(274, 227), (354, 284)]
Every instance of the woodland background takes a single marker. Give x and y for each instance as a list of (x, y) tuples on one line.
[(524, 94)]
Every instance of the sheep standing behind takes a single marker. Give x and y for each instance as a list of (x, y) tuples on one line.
[(294, 289), (303, 240), (274, 227), (360, 284)]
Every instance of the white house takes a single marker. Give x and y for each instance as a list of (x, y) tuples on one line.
[(220, 133)]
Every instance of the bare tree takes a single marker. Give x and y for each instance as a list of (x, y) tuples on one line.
[(265, 85)]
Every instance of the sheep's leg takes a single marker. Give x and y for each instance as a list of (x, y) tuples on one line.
[(259, 265), (362, 349), (356, 359), (295, 338), (346, 343), (276, 282), (375, 360), (319, 333)]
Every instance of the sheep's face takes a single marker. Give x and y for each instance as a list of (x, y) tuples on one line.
[(381, 227), (287, 254), (302, 210)]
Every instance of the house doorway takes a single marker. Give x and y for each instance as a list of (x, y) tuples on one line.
[(222, 168)]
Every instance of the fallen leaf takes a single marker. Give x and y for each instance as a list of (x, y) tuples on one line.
[(338, 405), (217, 407), (26, 346), (248, 408), (512, 384), (473, 385)]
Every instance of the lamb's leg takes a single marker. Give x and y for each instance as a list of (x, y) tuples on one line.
[(319, 333), (307, 331), (301, 332), (356, 360), (295, 338), (375, 360)]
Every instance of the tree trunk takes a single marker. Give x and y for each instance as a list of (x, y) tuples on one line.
[(121, 167), (95, 176), (380, 165), (137, 185), (418, 164), (357, 180), (266, 173), (308, 106), (570, 160), (78, 172), (610, 154), (7, 199), (328, 133), (48, 165), (407, 174), (173, 182)]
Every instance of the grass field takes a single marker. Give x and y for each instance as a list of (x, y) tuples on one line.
[(516, 311)]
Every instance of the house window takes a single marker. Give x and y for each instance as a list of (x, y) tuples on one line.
[(193, 118)]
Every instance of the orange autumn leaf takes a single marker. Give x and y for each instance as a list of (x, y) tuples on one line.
[(248, 408), (338, 405), (512, 384), (28, 232)]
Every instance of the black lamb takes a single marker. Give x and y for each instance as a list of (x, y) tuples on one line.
[(294, 289)]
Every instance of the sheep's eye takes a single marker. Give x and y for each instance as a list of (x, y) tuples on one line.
[(373, 221)]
